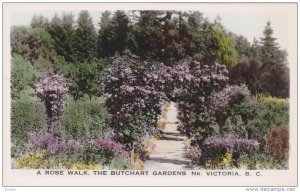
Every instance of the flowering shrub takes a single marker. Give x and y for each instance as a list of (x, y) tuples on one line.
[(88, 156), (222, 161), (35, 160), (95, 151), (136, 162), (40, 159), (52, 90), (226, 159), (135, 89), (148, 145), (165, 109), (132, 98), (219, 104), (239, 145), (42, 139), (194, 83), (187, 143), (194, 153), (218, 150), (230, 94), (161, 123), (196, 123), (110, 146)]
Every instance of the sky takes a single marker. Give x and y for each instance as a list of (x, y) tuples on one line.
[(244, 19)]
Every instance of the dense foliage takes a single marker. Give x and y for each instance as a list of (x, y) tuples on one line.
[(259, 116), (134, 88), (224, 152), (84, 119), (22, 73), (96, 151), (262, 78), (104, 91), (131, 98), (166, 36), (80, 121), (52, 90), (42, 139), (278, 143), (35, 45), (26, 116)]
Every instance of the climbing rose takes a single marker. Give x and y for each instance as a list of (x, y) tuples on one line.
[(52, 89)]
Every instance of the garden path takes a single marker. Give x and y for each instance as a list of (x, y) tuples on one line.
[(169, 153)]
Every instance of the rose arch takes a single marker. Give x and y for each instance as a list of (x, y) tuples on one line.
[(136, 89)]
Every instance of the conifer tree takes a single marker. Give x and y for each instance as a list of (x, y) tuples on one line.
[(270, 52), (62, 32), (85, 37), (38, 21), (115, 34)]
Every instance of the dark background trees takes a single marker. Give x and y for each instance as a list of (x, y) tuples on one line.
[(85, 37), (115, 34), (265, 69), (164, 36)]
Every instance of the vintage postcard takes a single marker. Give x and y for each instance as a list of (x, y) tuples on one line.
[(150, 94)]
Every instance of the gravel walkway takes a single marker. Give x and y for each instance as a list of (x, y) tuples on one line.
[(169, 153)]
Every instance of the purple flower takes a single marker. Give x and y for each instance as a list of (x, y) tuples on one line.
[(110, 145), (52, 89), (43, 139), (219, 100), (239, 145)]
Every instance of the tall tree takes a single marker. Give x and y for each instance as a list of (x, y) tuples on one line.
[(243, 46), (159, 35), (115, 34), (194, 35), (270, 51), (68, 37), (255, 48), (105, 19), (223, 47), (33, 44), (39, 21), (104, 39), (85, 37), (147, 33), (62, 31)]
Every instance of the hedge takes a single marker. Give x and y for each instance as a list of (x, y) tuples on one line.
[(261, 116), (82, 120), (26, 116)]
